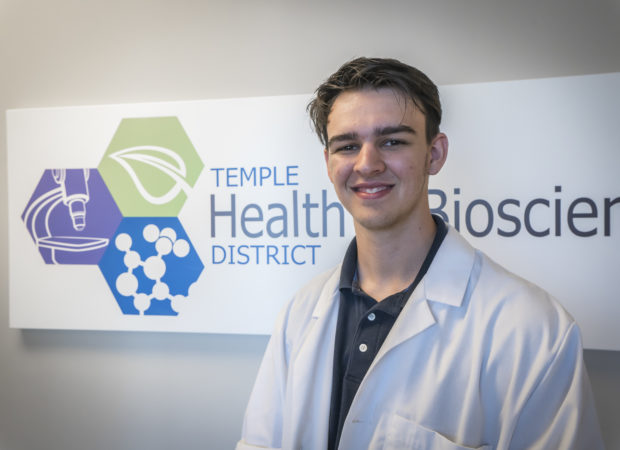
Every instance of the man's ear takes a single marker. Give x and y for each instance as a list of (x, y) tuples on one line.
[(438, 153)]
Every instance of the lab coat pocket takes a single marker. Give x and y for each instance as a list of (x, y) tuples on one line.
[(402, 434)]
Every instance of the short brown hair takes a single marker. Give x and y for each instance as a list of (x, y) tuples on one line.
[(376, 73)]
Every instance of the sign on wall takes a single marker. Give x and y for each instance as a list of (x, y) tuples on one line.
[(207, 216)]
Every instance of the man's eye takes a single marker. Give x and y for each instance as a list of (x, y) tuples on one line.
[(346, 148), (392, 142)]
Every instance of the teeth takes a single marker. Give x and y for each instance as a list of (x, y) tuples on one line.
[(373, 190)]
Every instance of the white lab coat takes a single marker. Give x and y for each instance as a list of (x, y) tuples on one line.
[(478, 358)]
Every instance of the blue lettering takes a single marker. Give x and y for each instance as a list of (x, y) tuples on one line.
[(248, 176), (308, 206), (313, 247), (220, 260), (275, 177), (265, 173), (272, 251), (281, 218), (231, 174), (230, 213), (293, 255), (242, 254), (290, 174), (285, 248), (257, 247), (326, 208), (217, 175), (264, 254), (245, 218)]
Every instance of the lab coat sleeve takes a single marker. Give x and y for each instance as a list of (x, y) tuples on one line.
[(560, 412), (262, 425)]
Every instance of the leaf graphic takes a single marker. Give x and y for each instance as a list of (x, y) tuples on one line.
[(176, 172)]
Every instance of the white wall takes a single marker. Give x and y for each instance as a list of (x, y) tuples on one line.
[(107, 390)]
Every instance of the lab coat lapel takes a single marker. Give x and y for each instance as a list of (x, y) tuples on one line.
[(448, 276), (415, 317), (311, 380), (445, 282)]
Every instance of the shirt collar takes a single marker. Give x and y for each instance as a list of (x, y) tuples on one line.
[(349, 266), (348, 274)]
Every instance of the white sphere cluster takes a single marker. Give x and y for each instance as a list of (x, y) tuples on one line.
[(154, 267)]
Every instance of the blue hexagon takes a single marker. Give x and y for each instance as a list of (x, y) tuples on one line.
[(150, 266)]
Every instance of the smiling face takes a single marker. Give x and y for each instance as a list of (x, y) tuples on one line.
[(378, 159)]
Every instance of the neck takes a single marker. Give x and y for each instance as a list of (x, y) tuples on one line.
[(389, 260)]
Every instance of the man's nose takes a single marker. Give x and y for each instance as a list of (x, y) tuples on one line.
[(369, 160)]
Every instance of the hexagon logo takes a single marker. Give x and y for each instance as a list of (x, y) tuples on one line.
[(150, 266), (71, 216), (150, 166)]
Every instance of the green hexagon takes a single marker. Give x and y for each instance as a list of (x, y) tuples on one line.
[(150, 166)]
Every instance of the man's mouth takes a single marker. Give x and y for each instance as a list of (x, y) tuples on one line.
[(371, 190)]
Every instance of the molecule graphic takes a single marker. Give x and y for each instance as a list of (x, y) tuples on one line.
[(154, 267)]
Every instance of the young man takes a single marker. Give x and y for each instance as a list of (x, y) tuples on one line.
[(416, 340)]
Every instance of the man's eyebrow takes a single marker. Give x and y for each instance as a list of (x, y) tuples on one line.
[(380, 131), (342, 137), (383, 131)]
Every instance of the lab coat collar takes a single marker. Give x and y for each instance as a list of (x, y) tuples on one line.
[(449, 273), (445, 282), (329, 294)]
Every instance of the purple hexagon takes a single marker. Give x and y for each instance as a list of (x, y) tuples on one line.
[(71, 216)]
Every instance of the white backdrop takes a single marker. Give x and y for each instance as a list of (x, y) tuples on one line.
[(553, 140)]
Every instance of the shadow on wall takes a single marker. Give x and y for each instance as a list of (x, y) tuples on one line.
[(604, 371), (188, 344)]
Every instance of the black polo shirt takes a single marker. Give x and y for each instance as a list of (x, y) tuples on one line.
[(363, 325)]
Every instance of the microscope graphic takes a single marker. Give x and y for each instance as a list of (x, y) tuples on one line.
[(74, 191), (57, 218)]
